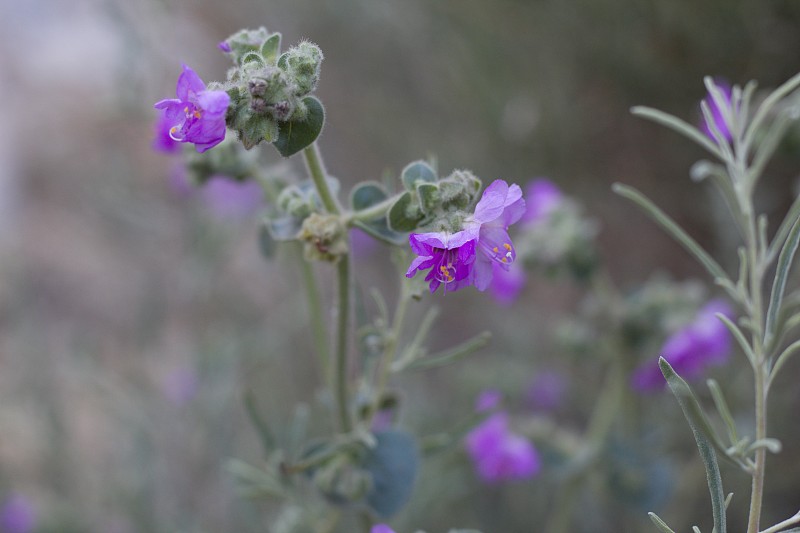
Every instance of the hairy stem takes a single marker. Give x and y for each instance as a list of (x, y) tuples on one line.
[(317, 322), (316, 169)]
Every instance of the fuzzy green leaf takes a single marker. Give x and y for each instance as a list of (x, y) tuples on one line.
[(295, 135), (271, 48), (405, 214), (418, 171), (367, 194)]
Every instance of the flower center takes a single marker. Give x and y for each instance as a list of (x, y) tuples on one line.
[(501, 254), (446, 272)]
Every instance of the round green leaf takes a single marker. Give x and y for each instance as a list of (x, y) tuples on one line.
[(295, 135), (367, 194), (416, 172), (405, 214), (393, 464)]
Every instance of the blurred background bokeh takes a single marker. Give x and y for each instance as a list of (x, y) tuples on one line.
[(133, 316)]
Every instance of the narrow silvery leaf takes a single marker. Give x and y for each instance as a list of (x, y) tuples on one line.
[(704, 436), (722, 409), (672, 228), (779, 284), (766, 106), (660, 524), (677, 125)]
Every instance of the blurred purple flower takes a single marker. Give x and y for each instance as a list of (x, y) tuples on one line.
[(690, 350), (542, 196), (506, 286), (500, 454), (224, 46), (17, 515), (467, 256), (547, 390), (180, 385), (381, 528), (228, 198), (488, 400), (163, 142), (197, 115), (717, 114), (179, 182), (361, 243)]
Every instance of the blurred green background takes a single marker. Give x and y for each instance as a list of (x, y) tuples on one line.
[(131, 320)]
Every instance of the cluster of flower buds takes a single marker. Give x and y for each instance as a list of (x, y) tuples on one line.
[(267, 88)]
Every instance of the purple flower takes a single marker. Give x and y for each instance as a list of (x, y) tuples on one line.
[(381, 528), (500, 454), (449, 256), (231, 199), (717, 114), (197, 115), (163, 142), (467, 256), (17, 515), (500, 206), (690, 350), (488, 400), (224, 46), (542, 197), (547, 390)]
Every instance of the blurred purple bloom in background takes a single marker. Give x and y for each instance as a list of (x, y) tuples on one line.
[(467, 257), (228, 198), (362, 244), (197, 115), (381, 528), (180, 385), (488, 400), (547, 390), (717, 114), (690, 350), (542, 196), (17, 515), (224, 46), (500, 454)]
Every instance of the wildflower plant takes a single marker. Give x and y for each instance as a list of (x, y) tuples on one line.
[(741, 137), (448, 232)]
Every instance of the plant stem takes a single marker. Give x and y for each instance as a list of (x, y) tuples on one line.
[(756, 256), (342, 327), (317, 322), (374, 211), (316, 169)]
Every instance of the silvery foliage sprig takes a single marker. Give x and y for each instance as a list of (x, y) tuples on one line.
[(360, 466), (742, 138)]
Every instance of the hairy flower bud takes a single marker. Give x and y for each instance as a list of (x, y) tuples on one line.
[(302, 63), (325, 237)]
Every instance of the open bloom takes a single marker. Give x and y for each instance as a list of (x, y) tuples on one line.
[(448, 255), (197, 115), (718, 113), (467, 257), (542, 196), (498, 453), (690, 350)]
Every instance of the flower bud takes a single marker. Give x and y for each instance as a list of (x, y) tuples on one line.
[(325, 237), (302, 63)]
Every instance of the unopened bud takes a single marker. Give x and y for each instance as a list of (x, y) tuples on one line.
[(325, 237)]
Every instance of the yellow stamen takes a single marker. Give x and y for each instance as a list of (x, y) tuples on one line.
[(495, 249), (506, 246), (504, 259), (197, 114)]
